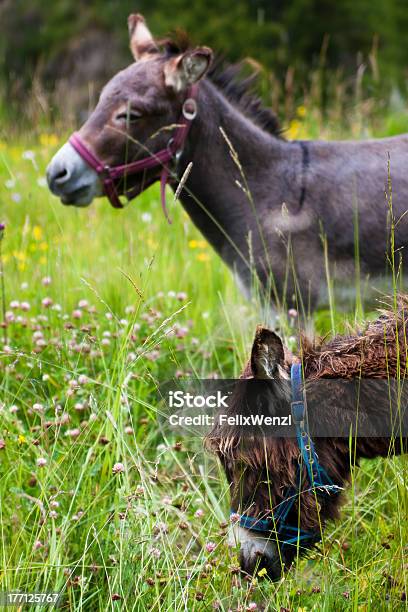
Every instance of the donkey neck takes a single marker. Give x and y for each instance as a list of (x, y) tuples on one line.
[(216, 195)]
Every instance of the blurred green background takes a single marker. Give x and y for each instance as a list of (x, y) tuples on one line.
[(62, 52)]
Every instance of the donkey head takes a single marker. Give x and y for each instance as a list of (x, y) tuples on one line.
[(133, 118), (263, 471)]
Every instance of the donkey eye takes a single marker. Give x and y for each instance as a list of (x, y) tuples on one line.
[(130, 116)]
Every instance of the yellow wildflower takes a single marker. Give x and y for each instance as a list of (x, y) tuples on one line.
[(48, 140), (19, 255), (14, 154), (43, 260), (262, 572), (43, 246), (203, 257), (37, 232), (294, 129), (21, 439), (301, 111), (21, 266), (193, 244)]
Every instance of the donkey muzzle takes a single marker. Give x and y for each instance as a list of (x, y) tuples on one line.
[(258, 552)]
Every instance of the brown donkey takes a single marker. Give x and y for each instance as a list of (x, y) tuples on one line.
[(169, 109), (284, 489)]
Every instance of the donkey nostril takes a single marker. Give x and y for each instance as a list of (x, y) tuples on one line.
[(62, 176), (58, 177)]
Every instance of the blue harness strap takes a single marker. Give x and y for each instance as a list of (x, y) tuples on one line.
[(318, 477), (252, 523), (320, 482)]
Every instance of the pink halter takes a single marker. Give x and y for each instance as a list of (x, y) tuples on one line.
[(173, 150)]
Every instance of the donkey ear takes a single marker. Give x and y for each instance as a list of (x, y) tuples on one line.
[(185, 70), (267, 353), (141, 40)]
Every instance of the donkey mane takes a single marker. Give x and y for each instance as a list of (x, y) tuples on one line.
[(378, 351), (229, 79)]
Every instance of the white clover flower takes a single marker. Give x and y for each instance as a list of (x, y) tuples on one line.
[(9, 316), (47, 302), (73, 433), (30, 155), (210, 547), (118, 468)]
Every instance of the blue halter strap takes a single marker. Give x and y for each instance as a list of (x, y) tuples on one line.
[(319, 480)]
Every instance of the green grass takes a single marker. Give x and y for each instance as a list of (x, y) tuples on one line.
[(134, 540)]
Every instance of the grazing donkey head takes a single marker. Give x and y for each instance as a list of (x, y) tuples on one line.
[(137, 116), (283, 490)]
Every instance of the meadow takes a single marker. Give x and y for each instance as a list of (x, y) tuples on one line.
[(98, 502)]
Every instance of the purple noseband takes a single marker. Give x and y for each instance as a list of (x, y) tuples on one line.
[(110, 175)]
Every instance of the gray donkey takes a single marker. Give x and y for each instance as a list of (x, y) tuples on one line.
[(275, 210)]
